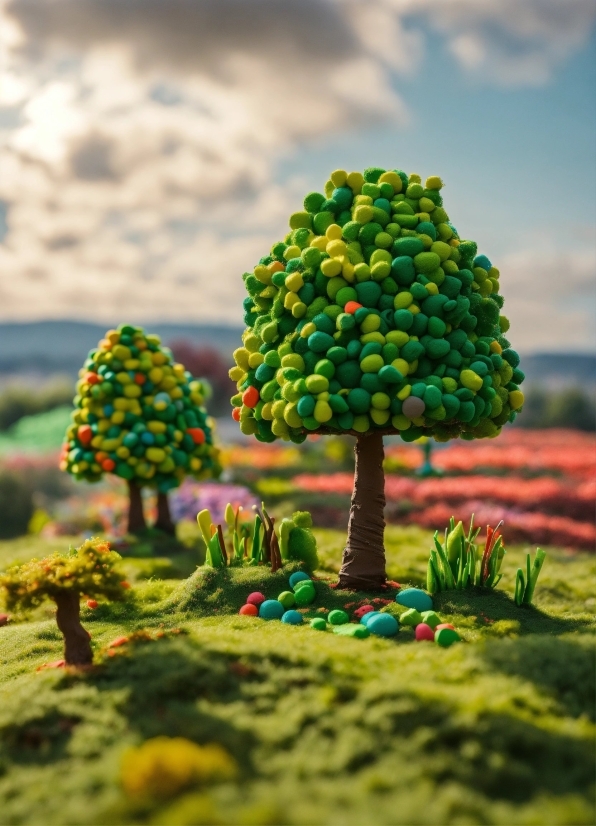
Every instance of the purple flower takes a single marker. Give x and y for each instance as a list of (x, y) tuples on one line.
[(192, 497)]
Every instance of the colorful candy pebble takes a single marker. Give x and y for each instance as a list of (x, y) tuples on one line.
[(383, 625), (411, 617), (424, 632), (318, 623), (414, 598), (444, 625), (368, 617), (446, 637), (364, 609), (249, 610), (338, 617), (287, 599), (360, 632), (250, 397), (197, 434), (298, 576), (351, 307), (271, 609), (256, 598), (430, 618), (292, 618), (305, 595)]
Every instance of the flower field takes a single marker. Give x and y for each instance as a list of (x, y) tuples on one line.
[(541, 483)]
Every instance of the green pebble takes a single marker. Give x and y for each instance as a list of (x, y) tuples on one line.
[(287, 599), (349, 373), (322, 221), (446, 637), (431, 618), (338, 617), (372, 364), (411, 617), (305, 595), (337, 355), (408, 246), (346, 294), (352, 630), (427, 262), (319, 624), (313, 201), (358, 401), (368, 293)]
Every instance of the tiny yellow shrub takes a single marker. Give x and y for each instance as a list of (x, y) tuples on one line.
[(163, 766)]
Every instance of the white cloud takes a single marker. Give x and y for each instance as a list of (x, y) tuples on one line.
[(550, 299), (139, 176)]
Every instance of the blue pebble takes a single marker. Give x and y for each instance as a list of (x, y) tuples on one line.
[(147, 438), (415, 598), (482, 261), (108, 410), (383, 625), (271, 609), (292, 617), (299, 576), (367, 617)]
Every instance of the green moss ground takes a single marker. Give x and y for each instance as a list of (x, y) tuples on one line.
[(326, 730)]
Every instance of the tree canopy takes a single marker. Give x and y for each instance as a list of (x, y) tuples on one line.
[(138, 415), (92, 570), (373, 314)]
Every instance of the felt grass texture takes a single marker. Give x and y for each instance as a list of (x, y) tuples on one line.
[(324, 729)]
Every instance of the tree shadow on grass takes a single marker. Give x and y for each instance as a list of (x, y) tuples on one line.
[(564, 668), (488, 605)]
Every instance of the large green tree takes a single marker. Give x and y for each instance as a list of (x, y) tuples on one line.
[(141, 417), (374, 317)]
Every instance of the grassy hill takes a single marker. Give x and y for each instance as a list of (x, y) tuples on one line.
[(324, 730)]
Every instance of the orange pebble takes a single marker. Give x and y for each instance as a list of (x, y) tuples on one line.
[(351, 307), (92, 378), (100, 456), (236, 414), (85, 434), (108, 464), (276, 266), (140, 378), (444, 625), (197, 434), (250, 397), (92, 603), (249, 610)]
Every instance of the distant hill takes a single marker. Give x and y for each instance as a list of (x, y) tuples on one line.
[(61, 346), (48, 347)]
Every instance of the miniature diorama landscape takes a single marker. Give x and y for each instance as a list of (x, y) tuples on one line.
[(205, 618)]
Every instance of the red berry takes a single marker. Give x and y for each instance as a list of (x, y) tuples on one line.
[(256, 598), (92, 603)]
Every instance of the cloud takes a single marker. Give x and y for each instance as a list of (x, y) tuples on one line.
[(509, 42), (139, 166), (550, 299)]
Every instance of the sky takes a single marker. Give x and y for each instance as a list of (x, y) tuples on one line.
[(151, 151)]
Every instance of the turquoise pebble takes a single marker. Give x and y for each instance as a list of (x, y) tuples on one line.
[(367, 617), (292, 618), (415, 598), (299, 576), (383, 625), (271, 609)]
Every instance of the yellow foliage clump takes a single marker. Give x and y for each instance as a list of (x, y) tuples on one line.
[(163, 766)]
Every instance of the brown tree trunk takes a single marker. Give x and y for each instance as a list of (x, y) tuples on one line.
[(363, 564), (77, 648), (136, 517), (164, 520)]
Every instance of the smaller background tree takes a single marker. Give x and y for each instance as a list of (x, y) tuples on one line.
[(91, 570), (140, 416)]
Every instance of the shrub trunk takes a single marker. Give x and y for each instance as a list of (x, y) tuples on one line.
[(77, 647)]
